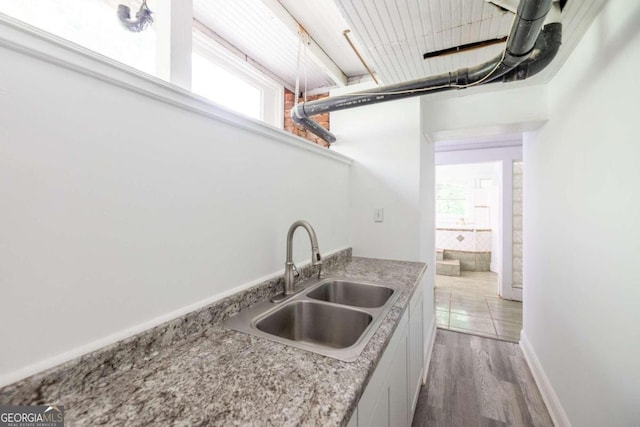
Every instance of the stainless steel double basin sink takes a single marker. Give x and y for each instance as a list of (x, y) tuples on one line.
[(332, 317)]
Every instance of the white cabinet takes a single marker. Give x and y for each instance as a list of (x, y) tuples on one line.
[(390, 397), (353, 422), (374, 405), (416, 349), (380, 415), (398, 379)]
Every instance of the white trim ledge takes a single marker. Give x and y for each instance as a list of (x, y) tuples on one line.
[(464, 145), (23, 38), (556, 411)]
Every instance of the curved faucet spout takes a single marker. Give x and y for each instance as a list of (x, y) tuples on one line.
[(289, 267)]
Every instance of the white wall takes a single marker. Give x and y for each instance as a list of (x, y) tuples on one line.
[(120, 210), (581, 251), (492, 114), (384, 141), (493, 110), (427, 240), (393, 169)]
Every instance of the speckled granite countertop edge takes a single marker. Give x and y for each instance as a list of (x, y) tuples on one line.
[(194, 370)]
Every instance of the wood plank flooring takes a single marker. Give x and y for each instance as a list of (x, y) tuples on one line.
[(476, 381)]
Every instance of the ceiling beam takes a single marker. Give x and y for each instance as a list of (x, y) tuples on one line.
[(464, 47), (315, 52)]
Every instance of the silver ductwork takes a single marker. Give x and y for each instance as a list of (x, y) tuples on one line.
[(529, 49)]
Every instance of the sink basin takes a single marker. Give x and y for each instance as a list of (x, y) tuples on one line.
[(315, 323), (351, 293), (331, 316)]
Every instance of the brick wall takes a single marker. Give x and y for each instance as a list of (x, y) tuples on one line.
[(289, 126)]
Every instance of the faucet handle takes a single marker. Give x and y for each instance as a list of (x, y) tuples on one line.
[(316, 258), (296, 273)]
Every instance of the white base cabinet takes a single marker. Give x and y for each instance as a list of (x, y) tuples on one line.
[(391, 395), (398, 383), (416, 349)]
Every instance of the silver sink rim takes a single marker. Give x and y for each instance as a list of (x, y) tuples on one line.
[(246, 320), (255, 321), (323, 282)]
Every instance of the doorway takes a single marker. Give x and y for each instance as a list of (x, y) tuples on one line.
[(476, 205)]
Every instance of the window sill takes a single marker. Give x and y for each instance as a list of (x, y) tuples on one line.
[(39, 44)]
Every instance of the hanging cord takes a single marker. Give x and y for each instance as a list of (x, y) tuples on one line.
[(303, 41), (297, 89), (306, 43)]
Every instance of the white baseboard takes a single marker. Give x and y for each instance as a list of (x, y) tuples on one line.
[(556, 411), (428, 348), (511, 293)]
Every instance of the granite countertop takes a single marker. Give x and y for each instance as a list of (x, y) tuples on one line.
[(194, 371)]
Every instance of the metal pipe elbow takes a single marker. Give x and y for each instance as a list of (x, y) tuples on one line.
[(299, 117)]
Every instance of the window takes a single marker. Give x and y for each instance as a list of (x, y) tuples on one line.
[(92, 24), (452, 201), (221, 76), (219, 85), (217, 73), (467, 194), (485, 183)]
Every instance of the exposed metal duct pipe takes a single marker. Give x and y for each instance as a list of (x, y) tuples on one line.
[(544, 51), (528, 51)]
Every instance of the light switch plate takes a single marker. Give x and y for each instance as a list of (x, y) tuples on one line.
[(378, 215)]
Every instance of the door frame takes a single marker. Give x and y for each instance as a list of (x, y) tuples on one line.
[(505, 155)]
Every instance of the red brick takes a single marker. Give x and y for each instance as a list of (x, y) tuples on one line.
[(289, 126)]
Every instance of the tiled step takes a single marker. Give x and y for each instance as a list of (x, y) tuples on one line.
[(450, 267), (439, 254)]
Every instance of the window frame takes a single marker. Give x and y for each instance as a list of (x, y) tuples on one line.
[(272, 99)]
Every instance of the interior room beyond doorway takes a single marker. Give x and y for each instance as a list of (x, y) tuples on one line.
[(469, 255), (469, 303)]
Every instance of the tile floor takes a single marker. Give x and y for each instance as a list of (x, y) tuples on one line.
[(469, 303)]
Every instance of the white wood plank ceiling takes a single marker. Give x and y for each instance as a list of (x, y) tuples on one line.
[(392, 35), (397, 33), (252, 27), (324, 22)]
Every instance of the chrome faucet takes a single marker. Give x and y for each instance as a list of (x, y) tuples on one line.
[(290, 270)]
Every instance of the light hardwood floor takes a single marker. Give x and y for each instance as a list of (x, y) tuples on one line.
[(476, 381)]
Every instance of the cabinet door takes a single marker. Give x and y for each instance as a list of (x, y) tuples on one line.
[(385, 401), (353, 422), (398, 397), (416, 348), (380, 414)]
